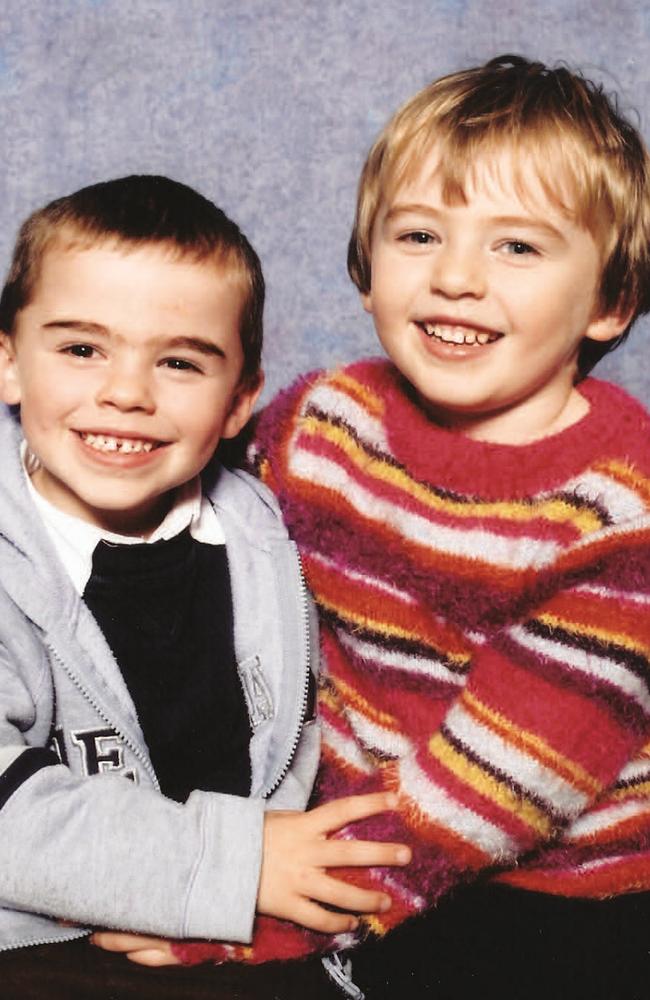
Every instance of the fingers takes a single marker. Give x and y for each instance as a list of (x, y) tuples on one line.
[(334, 892), (153, 957), (137, 947), (312, 916), (118, 941), (359, 853), (340, 812)]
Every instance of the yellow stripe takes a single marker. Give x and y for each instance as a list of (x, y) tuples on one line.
[(374, 403), (352, 697), (579, 628), (489, 786), (389, 630), (522, 737), (559, 511), (626, 474), (642, 790)]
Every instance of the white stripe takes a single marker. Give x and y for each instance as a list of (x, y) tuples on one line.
[(587, 663), (557, 794), (441, 808), (600, 819), (513, 553), (588, 866), (377, 737), (401, 661), (345, 747), (365, 578), (337, 403), (614, 595), (620, 502), (635, 770)]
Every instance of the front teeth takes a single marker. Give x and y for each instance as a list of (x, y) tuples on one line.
[(458, 334), (123, 446)]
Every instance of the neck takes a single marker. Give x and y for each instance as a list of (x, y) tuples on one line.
[(532, 421)]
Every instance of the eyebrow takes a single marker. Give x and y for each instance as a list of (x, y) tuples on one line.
[(200, 344), (529, 222), (76, 325)]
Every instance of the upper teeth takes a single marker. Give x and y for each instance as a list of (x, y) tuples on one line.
[(458, 334), (104, 442)]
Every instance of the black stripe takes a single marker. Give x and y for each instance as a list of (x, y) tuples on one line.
[(522, 793), (636, 663), (573, 502), (23, 767), (393, 643)]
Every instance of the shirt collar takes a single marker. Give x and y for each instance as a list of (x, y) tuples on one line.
[(75, 539)]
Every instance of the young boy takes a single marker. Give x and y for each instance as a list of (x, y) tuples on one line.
[(474, 521), (156, 631)]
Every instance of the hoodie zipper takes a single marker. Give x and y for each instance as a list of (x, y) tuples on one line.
[(133, 747), (306, 677)]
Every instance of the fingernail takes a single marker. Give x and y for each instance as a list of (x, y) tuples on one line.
[(391, 800), (403, 855), (386, 904), (354, 923)]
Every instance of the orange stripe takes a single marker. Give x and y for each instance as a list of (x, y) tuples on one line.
[(531, 744), (407, 619)]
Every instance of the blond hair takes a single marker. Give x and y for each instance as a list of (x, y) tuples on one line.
[(591, 162)]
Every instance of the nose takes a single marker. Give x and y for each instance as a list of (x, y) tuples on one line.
[(126, 387), (457, 272)]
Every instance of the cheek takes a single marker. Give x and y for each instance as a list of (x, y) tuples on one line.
[(202, 424)]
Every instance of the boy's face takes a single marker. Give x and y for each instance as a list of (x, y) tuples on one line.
[(483, 306), (126, 365)]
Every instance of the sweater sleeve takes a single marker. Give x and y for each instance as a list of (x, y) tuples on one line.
[(554, 706)]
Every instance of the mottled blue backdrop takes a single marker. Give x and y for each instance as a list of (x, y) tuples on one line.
[(269, 107)]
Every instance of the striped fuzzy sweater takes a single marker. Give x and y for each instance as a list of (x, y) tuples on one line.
[(485, 617)]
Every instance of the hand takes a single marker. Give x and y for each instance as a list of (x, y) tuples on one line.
[(140, 949), (293, 880)]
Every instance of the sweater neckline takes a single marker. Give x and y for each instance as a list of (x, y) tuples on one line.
[(449, 459)]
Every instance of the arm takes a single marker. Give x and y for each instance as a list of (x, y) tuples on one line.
[(104, 850), (554, 707), (294, 881)]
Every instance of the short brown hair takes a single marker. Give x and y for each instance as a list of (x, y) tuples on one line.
[(141, 209), (591, 162)]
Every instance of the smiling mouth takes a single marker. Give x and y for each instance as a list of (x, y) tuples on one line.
[(118, 445), (448, 333)]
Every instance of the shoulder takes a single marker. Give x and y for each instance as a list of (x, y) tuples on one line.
[(619, 422), (366, 384), (245, 501)]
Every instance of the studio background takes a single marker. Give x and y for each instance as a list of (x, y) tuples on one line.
[(269, 108)]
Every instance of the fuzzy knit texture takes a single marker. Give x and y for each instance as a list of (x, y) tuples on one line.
[(485, 619)]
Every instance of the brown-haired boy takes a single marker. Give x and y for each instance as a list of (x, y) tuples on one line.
[(154, 624), (474, 521)]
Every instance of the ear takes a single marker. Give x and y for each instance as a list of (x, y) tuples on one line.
[(609, 325), (242, 405), (9, 380), (366, 301)]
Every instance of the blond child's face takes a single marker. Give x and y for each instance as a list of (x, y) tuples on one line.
[(483, 305), (126, 365)]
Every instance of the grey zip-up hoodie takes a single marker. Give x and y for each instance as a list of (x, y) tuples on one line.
[(90, 839)]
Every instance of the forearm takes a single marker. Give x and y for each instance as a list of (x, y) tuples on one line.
[(104, 852)]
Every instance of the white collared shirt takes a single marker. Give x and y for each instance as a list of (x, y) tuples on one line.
[(75, 540)]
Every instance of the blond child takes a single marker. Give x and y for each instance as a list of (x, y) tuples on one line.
[(473, 516)]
